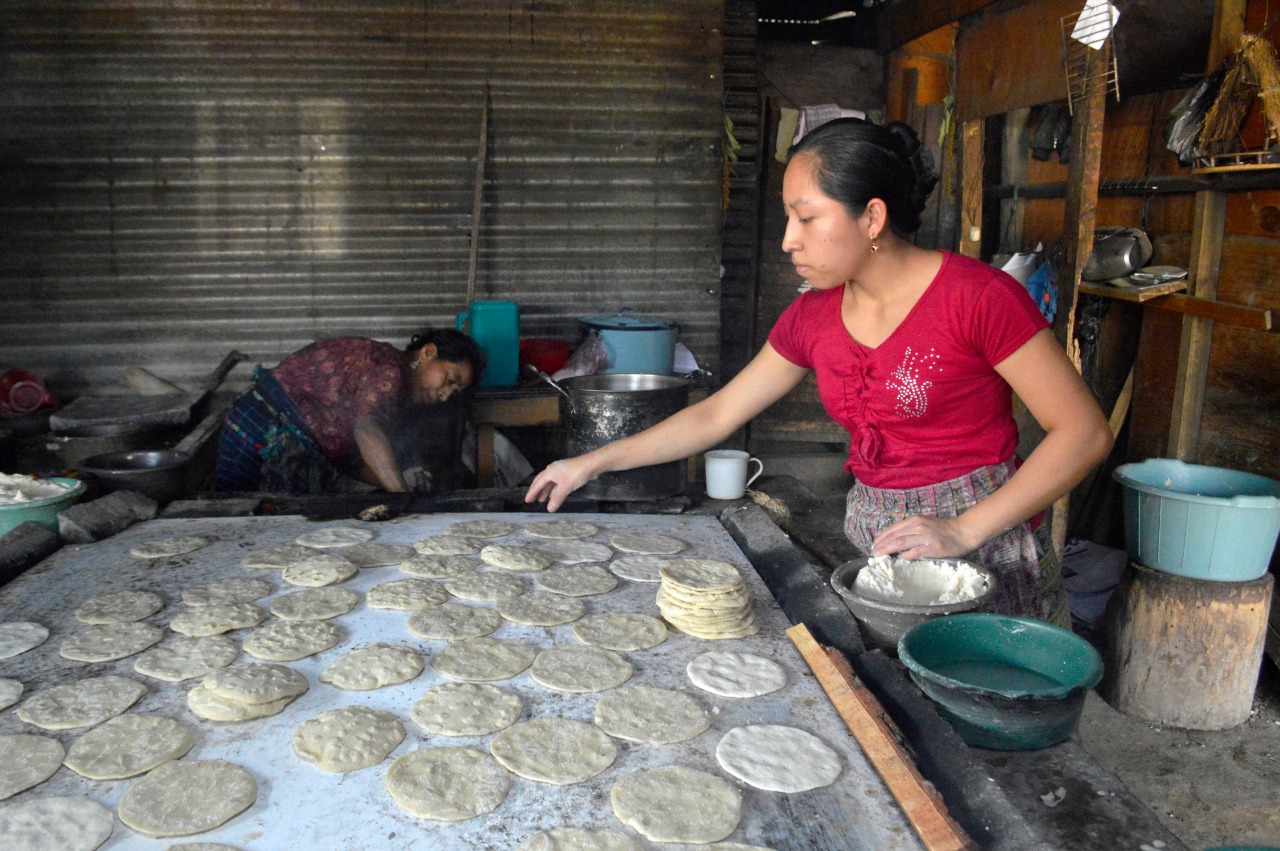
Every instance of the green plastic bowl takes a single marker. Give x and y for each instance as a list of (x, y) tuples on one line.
[(42, 511), (1004, 683)]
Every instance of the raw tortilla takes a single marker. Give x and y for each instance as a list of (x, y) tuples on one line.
[(348, 739), (314, 604), (378, 555), (187, 657), (559, 751), (198, 621), (82, 703), (256, 683), (578, 839), (638, 568), (319, 570), (334, 536), (26, 761), (517, 558), (541, 609), (218, 846), (580, 669), (407, 594), (677, 804), (19, 637), (182, 798), (120, 607), (561, 530), (481, 529), (484, 587), (45, 824), (288, 641), (447, 784), (651, 545), (652, 716), (582, 581), (621, 631), (449, 545), (730, 674), (454, 622), (777, 758), (10, 691), (207, 704), (109, 642), (466, 709), (701, 574), (234, 590), (276, 558), (373, 667), (483, 660), (434, 566), (127, 746), (168, 547), (575, 552)]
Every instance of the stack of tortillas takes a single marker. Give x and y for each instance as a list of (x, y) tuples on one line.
[(705, 599)]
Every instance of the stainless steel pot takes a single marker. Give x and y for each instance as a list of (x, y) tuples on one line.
[(599, 409), (160, 474)]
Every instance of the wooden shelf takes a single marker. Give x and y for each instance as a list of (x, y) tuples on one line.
[(1135, 292)]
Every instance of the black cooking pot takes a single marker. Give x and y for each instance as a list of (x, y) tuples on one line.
[(158, 473)]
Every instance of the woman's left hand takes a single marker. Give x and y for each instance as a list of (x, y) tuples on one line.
[(924, 537)]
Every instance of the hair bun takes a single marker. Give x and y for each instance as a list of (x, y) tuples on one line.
[(919, 162)]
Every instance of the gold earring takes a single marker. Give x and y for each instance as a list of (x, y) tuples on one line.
[(874, 246), (413, 366)]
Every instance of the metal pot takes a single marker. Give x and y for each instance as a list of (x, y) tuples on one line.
[(599, 409), (635, 344), (160, 473), (73, 445)]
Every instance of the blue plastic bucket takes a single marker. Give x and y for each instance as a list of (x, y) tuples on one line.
[(495, 326), (1199, 522)]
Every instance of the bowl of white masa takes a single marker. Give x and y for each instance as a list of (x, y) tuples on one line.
[(890, 595)]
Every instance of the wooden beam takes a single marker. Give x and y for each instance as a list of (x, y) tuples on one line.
[(907, 20), (1239, 315), (1197, 330), (971, 140), (879, 740)]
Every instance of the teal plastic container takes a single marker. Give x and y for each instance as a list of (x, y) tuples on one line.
[(1199, 522), (1003, 683), (42, 511), (495, 326)]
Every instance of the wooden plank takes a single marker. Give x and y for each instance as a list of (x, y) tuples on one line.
[(1239, 315), (1197, 331), (1137, 294), (970, 243), (879, 740), (908, 20)]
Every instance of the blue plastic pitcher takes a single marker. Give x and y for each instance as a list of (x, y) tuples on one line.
[(495, 326)]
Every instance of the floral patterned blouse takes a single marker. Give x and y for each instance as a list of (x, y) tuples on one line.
[(334, 383)]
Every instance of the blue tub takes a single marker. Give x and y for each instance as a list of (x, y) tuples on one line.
[(1199, 522)]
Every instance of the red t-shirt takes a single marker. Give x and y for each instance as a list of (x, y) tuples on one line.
[(926, 405), (335, 382)]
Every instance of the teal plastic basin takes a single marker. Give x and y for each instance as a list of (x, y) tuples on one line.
[(1199, 522), (1003, 683), (42, 511)]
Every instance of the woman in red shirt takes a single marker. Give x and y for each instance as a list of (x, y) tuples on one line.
[(917, 352), (328, 410)]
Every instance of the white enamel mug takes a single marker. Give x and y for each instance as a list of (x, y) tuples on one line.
[(727, 472)]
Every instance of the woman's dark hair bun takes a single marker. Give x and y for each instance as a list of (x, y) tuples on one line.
[(919, 161), (452, 346)]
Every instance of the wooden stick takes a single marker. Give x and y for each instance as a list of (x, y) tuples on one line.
[(477, 202), (879, 740)]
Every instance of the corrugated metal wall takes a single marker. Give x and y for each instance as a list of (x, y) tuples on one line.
[(184, 177)]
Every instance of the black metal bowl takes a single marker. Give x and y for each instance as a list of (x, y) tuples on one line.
[(158, 473)]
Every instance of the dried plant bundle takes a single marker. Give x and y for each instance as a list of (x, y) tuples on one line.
[(1259, 54)]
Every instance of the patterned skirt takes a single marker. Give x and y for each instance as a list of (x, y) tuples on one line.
[(266, 446), (1025, 563)]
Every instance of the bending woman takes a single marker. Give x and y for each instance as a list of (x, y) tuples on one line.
[(327, 410), (917, 354)]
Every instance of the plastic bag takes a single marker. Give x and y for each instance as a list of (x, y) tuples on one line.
[(1186, 121), (588, 359)]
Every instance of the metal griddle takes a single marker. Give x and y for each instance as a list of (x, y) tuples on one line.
[(300, 806)]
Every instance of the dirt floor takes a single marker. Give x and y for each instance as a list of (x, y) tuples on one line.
[(1211, 789)]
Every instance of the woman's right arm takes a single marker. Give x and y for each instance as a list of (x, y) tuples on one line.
[(766, 379)]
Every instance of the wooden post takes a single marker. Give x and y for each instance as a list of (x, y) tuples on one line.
[(1185, 652), (971, 141)]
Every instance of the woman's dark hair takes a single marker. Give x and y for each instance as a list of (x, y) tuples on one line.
[(857, 161), (451, 345)]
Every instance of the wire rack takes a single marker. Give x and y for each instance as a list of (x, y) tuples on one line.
[(1091, 25)]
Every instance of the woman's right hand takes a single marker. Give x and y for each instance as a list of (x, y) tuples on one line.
[(560, 478)]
